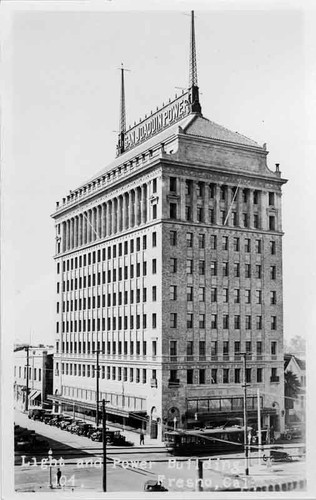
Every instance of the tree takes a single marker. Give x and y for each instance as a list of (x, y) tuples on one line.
[(292, 388), (297, 346)]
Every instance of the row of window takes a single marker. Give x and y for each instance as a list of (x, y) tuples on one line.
[(249, 270), (225, 217), (34, 373), (137, 375), (111, 252), (140, 322), (202, 186), (110, 348), (224, 376), (214, 242), (173, 295), (226, 321), (226, 345), (111, 276), (114, 399)]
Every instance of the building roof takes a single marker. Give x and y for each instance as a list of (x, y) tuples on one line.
[(204, 127), (289, 357)]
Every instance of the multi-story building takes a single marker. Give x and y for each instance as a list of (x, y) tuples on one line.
[(169, 263), (38, 382)]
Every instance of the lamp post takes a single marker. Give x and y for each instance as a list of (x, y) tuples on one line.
[(245, 385), (50, 454), (104, 442)]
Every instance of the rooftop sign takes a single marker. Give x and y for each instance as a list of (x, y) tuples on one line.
[(158, 121)]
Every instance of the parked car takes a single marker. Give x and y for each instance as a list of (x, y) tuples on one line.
[(153, 485), (294, 432), (36, 413), (279, 455), (55, 420), (48, 416), (73, 426), (62, 424), (85, 429)]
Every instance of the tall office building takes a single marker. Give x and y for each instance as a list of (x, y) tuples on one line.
[(169, 264)]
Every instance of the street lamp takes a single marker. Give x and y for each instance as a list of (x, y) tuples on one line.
[(50, 454), (175, 423), (104, 441)]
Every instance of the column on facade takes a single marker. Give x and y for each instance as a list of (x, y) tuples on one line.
[(84, 228), (68, 234), (148, 216), (109, 217), (63, 235), (75, 231), (194, 201), (99, 221), (89, 218), (229, 208), (79, 230), (182, 198), (206, 201), (217, 190), (114, 215), (239, 207), (119, 214), (102, 221), (144, 203), (136, 205), (124, 212), (131, 208), (250, 208), (264, 203)]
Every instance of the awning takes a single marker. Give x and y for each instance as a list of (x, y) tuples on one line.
[(34, 394), (92, 406)]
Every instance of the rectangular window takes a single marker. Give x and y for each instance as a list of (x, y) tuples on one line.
[(271, 199), (258, 246), (173, 320), (248, 322), (225, 376), (272, 247), (256, 221), (189, 240), (248, 375), (259, 322), (248, 296), (202, 350), (202, 321), (201, 240), (236, 269), (188, 185), (202, 376), (199, 214), (189, 268), (190, 376), (187, 212), (214, 321), (273, 348), (154, 239), (173, 238), (214, 376), (173, 292), (272, 272), (189, 293), (173, 348), (201, 267), (154, 266), (154, 320), (213, 242), (273, 322), (222, 217), (189, 320), (154, 211), (247, 271), (211, 215), (272, 223), (154, 293), (237, 348), (273, 297), (213, 268), (236, 244), (236, 295), (202, 294), (259, 375), (258, 271), (189, 350), (173, 211), (173, 265), (213, 294), (237, 322), (247, 245), (173, 184), (225, 348), (237, 375), (225, 243), (225, 321), (225, 295), (259, 348), (234, 218)]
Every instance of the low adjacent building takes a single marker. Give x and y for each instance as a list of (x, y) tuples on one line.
[(33, 375), (295, 408)]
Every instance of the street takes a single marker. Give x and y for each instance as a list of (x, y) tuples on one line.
[(80, 461)]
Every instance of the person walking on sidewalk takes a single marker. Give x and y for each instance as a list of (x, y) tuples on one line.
[(58, 474), (142, 438)]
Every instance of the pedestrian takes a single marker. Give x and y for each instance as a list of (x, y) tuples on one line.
[(58, 476), (142, 438)]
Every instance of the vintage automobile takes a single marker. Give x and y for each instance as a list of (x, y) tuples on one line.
[(36, 413), (63, 424), (279, 455), (55, 420), (152, 485), (85, 429)]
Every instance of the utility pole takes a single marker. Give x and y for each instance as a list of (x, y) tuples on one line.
[(97, 351), (27, 377), (244, 354), (104, 442)]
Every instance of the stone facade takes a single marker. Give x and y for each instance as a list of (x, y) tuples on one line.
[(169, 263)]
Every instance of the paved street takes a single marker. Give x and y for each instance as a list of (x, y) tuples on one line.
[(129, 468)]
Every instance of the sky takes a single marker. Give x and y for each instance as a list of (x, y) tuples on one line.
[(61, 115)]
